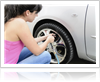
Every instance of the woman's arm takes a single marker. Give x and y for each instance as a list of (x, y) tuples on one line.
[(39, 39), (26, 37)]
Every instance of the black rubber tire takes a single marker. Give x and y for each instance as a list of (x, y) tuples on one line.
[(64, 35)]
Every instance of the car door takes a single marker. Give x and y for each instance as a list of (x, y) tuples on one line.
[(90, 32)]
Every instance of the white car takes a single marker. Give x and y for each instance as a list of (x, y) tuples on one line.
[(74, 76), (74, 27)]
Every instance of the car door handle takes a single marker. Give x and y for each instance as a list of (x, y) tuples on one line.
[(93, 37)]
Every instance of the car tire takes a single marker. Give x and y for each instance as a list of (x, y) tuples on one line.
[(66, 39), (63, 76)]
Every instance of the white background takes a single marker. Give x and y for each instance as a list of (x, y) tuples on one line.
[(96, 3)]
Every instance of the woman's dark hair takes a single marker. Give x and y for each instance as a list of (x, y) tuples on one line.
[(12, 11)]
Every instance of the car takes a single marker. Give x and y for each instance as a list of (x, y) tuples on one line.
[(91, 77), (74, 76), (75, 30)]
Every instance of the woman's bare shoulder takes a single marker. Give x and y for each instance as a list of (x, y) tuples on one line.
[(19, 21)]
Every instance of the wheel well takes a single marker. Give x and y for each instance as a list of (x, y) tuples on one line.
[(59, 24)]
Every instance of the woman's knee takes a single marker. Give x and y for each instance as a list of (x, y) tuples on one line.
[(47, 55)]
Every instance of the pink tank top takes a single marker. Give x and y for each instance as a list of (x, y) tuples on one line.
[(12, 51), (11, 76)]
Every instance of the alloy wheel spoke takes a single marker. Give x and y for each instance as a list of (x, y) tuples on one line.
[(46, 31), (61, 43)]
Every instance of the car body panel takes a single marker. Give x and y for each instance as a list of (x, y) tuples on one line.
[(60, 76), (91, 77), (91, 33), (73, 18)]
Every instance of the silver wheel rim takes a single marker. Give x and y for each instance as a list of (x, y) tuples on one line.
[(59, 47), (60, 78)]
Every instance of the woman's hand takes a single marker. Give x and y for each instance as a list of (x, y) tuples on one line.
[(52, 34), (50, 38)]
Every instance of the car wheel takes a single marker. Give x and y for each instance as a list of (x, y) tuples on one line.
[(63, 43), (62, 76)]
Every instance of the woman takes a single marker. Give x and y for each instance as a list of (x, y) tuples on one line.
[(27, 76), (17, 35)]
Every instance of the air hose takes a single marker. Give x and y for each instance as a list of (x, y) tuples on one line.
[(54, 50), (58, 63)]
